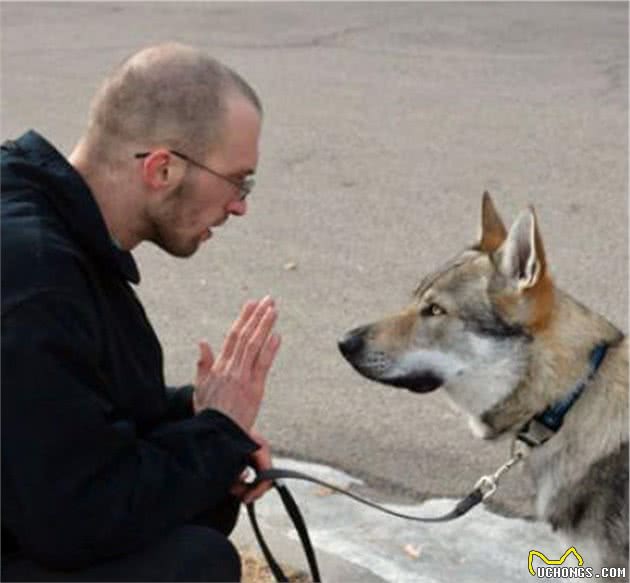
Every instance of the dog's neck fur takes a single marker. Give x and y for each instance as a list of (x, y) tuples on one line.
[(560, 354), (559, 360)]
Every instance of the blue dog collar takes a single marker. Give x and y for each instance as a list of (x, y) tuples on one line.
[(553, 416)]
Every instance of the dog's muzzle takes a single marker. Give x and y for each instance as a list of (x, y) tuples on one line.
[(352, 343), (376, 368)]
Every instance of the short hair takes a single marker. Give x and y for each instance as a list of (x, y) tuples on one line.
[(170, 94)]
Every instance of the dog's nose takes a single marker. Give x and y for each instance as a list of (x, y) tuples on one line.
[(352, 342)]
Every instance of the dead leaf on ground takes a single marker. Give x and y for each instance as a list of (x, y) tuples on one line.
[(323, 491), (413, 551), (256, 570)]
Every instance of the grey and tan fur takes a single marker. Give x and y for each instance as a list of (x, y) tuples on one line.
[(492, 330)]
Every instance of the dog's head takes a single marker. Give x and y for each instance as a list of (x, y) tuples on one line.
[(469, 326)]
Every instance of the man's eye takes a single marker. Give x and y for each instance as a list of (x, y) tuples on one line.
[(433, 309)]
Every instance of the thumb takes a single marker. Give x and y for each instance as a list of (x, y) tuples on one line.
[(205, 361)]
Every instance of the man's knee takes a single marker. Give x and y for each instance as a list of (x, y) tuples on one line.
[(205, 555)]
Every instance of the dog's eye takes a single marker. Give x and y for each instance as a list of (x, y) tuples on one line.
[(433, 310)]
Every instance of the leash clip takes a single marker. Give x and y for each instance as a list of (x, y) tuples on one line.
[(487, 485)]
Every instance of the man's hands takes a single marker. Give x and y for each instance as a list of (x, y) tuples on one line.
[(260, 460), (234, 383)]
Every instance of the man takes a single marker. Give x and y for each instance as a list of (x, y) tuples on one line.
[(106, 473)]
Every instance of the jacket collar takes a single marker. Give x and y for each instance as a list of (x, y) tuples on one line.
[(72, 198)]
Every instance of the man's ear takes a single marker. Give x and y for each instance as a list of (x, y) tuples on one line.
[(493, 230), (522, 256), (161, 171)]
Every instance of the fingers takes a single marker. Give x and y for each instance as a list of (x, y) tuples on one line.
[(244, 329), (257, 492), (233, 335), (248, 319), (261, 460), (255, 341), (235, 381), (238, 490), (241, 486), (247, 494), (260, 440), (265, 359), (205, 362)]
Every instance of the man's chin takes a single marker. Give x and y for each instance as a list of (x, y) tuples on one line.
[(179, 249)]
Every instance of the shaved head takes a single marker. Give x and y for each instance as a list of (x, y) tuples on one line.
[(168, 95)]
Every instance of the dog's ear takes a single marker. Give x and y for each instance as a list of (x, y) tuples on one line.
[(522, 256), (493, 230)]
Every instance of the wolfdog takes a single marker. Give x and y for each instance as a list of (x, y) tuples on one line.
[(521, 358)]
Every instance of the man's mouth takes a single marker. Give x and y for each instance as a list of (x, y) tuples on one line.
[(207, 234)]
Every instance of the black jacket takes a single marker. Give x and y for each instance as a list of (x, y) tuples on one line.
[(98, 455)]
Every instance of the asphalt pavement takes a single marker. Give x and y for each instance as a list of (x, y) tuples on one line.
[(384, 123)]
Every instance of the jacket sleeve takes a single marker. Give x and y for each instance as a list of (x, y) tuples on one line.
[(179, 400), (79, 484)]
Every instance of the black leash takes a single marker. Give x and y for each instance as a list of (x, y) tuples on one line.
[(485, 487), (300, 526)]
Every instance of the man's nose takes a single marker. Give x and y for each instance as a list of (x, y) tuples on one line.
[(237, 207)]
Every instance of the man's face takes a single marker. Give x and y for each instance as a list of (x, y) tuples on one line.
[(185, 217)]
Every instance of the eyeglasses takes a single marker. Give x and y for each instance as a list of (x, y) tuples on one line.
[(243, 186)]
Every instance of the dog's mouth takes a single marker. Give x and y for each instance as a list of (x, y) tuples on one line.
[(376, 368), (416, 383)]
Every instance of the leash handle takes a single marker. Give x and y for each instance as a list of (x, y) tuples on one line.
[(277, 571), (300, 526)]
